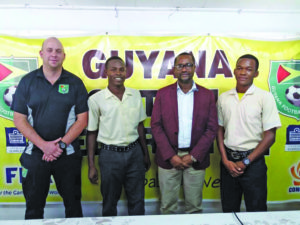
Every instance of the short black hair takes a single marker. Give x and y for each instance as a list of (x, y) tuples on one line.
[(249, 56), (113, 58), (185, 53)]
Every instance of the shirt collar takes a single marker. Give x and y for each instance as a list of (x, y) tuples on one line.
[(41, 74), (194, 88), (109, 94), (250, 90)]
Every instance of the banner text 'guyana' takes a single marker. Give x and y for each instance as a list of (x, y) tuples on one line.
[(94, 68)]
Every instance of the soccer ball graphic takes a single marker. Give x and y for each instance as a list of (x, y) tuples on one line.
[(9, 95), (292, 94)]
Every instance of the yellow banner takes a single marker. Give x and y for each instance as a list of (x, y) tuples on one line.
[(149, 61)]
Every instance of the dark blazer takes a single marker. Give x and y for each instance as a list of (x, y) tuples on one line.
[(164, 125)]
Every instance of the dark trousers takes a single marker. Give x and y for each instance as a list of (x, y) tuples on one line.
[(120, 169), (36, 173), (253, 184)]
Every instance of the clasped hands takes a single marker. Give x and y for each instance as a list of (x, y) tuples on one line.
[(51, 150), (181, 163), (235, 169)]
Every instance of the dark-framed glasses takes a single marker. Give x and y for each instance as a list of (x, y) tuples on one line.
[(181, 66)]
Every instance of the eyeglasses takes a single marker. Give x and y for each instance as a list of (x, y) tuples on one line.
[(181, 66)]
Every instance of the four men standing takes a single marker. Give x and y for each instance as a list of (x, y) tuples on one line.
[(50, 107)]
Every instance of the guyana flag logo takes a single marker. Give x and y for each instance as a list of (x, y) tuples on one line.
[(11, 72), (284, 82)]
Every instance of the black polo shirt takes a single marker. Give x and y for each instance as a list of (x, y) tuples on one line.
[(51, 109)]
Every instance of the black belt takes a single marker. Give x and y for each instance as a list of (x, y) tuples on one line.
[(237, 155), (184, 149), (116, 148)]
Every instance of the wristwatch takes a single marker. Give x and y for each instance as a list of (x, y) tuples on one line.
[(246, 161), (62, 145), (193, 159)]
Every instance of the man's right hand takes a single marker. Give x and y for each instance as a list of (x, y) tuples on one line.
[(93, 175), (178, 163)]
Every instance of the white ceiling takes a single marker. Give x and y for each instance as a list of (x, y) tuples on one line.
[(265, 5), (269, 18)]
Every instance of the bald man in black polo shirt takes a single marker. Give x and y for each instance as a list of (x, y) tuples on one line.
[(50, 110)]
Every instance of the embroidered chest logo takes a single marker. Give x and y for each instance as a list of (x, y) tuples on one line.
[(63, 88)]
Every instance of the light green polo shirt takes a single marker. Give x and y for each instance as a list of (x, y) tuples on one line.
[(116, 120), (246, 119)]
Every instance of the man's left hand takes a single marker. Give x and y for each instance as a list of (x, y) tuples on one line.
[(187, 159)]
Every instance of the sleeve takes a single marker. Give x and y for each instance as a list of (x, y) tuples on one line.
[(201, 149), (164, 148), (81, 98), (270, 116), (142, 113), (220, 114), (94, 115), (19, 103)]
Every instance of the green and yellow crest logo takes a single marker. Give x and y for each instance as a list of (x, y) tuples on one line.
[(284, 82), (11, 72), (63, 88)]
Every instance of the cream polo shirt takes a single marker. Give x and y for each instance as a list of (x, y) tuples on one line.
[(245, 120), (116, 120)]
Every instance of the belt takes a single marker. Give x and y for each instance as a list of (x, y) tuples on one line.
[(184, 149), (116, 148), (238, 155)]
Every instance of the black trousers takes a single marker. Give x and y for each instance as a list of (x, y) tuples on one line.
[(122, 169), (36, 173), (253, 184)]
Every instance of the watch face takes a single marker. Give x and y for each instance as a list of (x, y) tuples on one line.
[(246, 161), (62, 145)]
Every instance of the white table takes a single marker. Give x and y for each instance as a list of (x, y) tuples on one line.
[(258, 218)]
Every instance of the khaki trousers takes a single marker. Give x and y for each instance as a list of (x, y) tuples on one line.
[(170, 181)]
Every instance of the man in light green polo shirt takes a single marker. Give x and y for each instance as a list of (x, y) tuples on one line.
[(248, 119), (116, 116)]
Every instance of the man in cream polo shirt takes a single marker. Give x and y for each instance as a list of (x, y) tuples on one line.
[(116, 121), (248, 119)]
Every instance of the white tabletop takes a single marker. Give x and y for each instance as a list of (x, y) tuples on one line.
[(258, 218)]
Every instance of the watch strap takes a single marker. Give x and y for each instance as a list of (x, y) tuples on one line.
[(62, 145)]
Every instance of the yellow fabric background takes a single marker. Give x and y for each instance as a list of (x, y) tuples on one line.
[(279, 162)]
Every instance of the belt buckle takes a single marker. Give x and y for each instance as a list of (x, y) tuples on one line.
[(235, 155)]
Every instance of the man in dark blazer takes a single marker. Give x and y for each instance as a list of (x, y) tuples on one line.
[(184, 125)]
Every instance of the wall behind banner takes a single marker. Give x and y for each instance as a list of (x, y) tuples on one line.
[(149, 61), (248, 18)]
